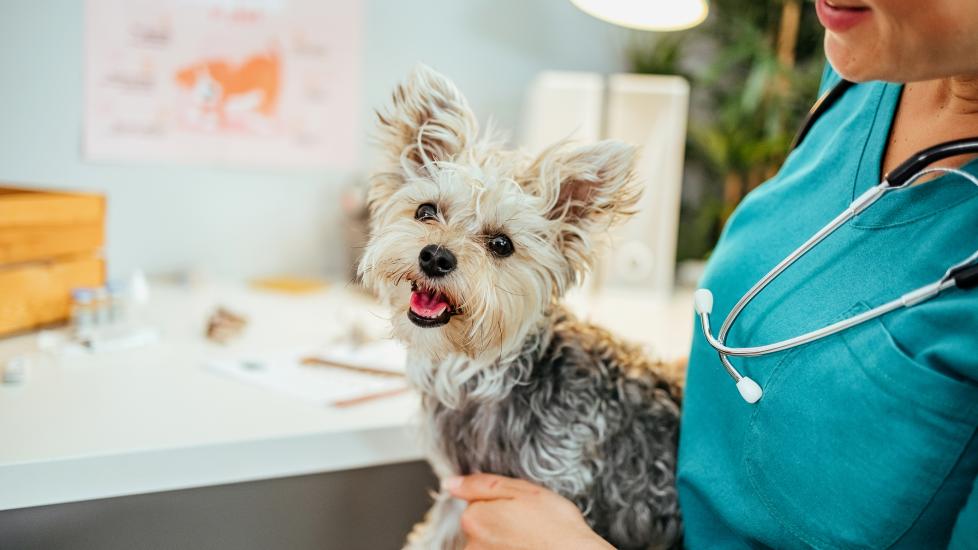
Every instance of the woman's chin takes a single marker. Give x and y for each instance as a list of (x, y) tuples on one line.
[(852, 64)]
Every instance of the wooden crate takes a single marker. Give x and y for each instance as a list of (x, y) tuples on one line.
[(50, 243)]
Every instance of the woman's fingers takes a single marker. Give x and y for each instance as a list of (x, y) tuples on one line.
[(476, 523), (478, 487), (505, 513)]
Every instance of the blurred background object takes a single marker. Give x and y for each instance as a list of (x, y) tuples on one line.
[(225, 325), (754, 67), (563, 105), (648, 111), (647, 15), (50, 244), (356, 224)]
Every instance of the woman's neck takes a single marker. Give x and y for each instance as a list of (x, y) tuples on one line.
[(932, 112), (955, 97)]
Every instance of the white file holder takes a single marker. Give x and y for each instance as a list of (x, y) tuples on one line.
[(562, 105), (646, 110)]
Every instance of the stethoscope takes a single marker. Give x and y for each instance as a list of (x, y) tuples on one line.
[(962, 275)]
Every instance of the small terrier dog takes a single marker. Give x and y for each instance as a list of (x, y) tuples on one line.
[(473, 246)]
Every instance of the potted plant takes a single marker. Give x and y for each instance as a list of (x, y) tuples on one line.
[(754, 67)]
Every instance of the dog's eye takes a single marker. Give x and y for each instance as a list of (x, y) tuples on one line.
[(500, 245), (426, 211)]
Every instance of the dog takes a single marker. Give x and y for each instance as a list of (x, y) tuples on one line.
[(472, 246)]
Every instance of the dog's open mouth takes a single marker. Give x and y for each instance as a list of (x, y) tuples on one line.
[(429, 307)]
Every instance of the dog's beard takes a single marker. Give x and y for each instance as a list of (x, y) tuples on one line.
[(448, 364), (433, 322)]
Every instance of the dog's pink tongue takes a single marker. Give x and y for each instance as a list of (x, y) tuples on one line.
[(427, 304)]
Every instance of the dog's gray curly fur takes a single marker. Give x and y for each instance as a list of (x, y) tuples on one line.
[(591, 419)]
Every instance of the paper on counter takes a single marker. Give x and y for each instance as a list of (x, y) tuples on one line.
[(318, 384)]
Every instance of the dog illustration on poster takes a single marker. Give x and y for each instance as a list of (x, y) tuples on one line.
[(228, 96)]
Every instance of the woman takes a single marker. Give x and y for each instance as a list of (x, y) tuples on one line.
[(868, 437)]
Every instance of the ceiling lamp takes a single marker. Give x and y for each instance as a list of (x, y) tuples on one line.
[(648, 15)]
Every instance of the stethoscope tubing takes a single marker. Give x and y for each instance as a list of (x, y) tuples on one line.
[(861, 203), (907, 300)]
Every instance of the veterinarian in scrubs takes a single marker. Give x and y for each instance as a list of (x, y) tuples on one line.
[(867, 438)]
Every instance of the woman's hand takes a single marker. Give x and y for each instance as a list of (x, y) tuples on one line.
[(514, 514)]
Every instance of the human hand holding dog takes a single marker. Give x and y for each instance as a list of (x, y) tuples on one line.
[(515, 514)]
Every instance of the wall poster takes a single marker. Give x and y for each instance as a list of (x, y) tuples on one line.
[(230, 82)]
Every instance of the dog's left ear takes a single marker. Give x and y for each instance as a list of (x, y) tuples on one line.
[(586, 190), (429, 121)]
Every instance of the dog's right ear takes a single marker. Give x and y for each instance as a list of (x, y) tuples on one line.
[(585, 190), (429, 122)]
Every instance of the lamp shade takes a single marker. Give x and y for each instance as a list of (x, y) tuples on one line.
[(649, 15)]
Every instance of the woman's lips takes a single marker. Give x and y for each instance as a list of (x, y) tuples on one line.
[(838, 18)]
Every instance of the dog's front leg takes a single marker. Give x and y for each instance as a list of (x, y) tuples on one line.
[(441, 528)]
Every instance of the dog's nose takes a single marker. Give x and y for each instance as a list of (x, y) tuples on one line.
[(436, 261)]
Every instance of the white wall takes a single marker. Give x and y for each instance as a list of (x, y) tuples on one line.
[(241, 223)]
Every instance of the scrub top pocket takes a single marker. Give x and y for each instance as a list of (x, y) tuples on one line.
[(881, 441)]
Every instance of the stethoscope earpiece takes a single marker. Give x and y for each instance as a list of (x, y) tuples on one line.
[(749, 390), (703, 301)]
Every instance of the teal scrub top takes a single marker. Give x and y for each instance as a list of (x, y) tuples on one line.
[(865, 439)]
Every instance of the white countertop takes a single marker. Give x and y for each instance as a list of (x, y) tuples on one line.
[(151, 419)]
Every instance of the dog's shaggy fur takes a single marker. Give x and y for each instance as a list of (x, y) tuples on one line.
[(511, 382)]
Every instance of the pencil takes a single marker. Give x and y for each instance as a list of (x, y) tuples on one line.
[(340, 403), (319, 362)]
